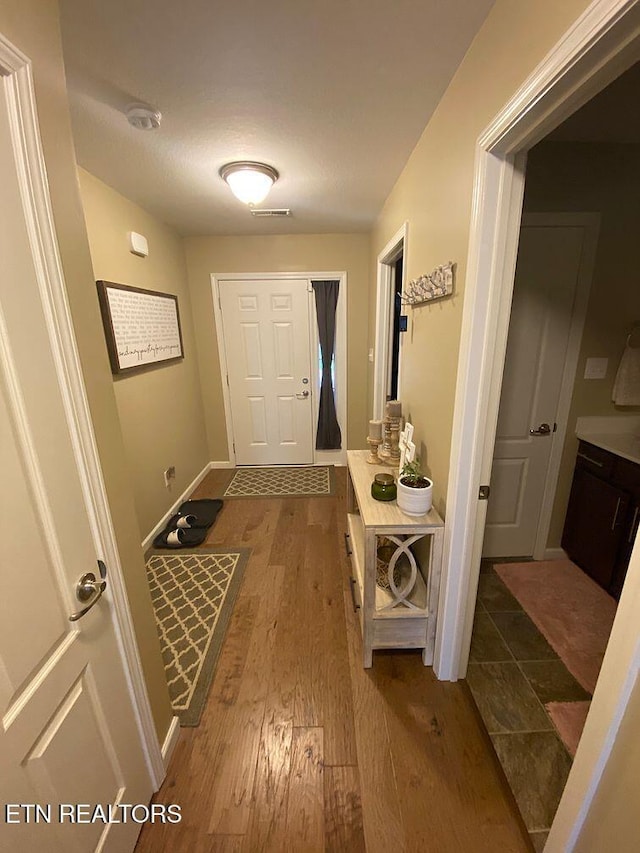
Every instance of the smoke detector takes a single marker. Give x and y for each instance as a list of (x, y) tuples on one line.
[(143, 117)]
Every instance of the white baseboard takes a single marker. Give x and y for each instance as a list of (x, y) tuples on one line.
[(160, 525), (226, 464), (330, 457), (555, 554), (170, 741)]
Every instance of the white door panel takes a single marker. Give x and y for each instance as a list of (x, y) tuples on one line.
[(68, 732), (545, 286), (267, 345)]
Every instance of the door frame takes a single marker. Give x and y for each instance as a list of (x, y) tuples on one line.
[(388, 256), (320, 457), (602, 43), (16, 69), (590, 222)]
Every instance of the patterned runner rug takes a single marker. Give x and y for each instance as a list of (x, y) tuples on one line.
[(280, 482), (193, 596)]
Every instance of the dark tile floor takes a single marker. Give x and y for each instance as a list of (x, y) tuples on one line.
[(512, 673)]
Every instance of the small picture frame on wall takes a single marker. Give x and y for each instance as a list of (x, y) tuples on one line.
[(142, 327)]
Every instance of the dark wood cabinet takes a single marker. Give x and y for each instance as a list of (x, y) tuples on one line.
[(603, 515)]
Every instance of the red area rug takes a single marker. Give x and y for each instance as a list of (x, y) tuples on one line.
[(575, 615), (569, 719), (572, 611)]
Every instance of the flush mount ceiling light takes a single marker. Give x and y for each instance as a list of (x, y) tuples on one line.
[(250, 182)]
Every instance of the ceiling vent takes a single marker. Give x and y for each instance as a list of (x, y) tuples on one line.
[(143, 117), (273, 211)]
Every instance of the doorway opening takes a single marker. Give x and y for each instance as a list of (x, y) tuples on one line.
[(501, 175), (553, 278), (396, 311), (388, 338)]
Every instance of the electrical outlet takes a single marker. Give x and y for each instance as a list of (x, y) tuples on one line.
[(169, 475)]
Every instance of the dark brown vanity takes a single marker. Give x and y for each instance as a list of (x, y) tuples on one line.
[(603, 515)]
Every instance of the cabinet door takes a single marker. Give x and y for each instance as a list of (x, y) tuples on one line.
[(630, 530), (594, 525)]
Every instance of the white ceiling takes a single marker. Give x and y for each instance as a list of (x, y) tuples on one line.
[(333, 93)]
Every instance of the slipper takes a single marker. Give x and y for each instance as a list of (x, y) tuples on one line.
[(205, 511), (183, 522), (179, 538)]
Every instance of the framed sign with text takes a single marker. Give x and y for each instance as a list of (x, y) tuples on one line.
[(142, 327)]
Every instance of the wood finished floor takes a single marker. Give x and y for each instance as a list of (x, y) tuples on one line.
[(301, 749)]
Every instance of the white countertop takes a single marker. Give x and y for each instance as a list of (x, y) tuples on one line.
[(619, 435)]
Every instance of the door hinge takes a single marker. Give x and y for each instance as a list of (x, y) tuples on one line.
[(555, 427), (483, 494), (228, 386)]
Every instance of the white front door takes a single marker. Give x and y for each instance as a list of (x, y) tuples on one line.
[(68, 732), (267, 344), (545, 286)]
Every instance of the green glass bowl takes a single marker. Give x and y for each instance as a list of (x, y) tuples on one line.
[(384, 487)]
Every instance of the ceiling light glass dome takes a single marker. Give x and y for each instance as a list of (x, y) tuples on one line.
[(250, 182)]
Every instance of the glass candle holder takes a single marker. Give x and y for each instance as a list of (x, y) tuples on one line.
[(384, 487)]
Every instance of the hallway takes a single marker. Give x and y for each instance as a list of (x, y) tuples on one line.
[(302, 749)]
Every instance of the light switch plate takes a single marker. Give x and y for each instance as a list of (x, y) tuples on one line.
[(596, 368)]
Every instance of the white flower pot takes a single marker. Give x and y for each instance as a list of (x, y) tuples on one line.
[(415, 501)]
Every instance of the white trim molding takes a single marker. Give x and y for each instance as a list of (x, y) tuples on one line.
[(555, 554), (146, 542), (170, 741), (40, 224), (320, 457), (396, 246), (601, 44)]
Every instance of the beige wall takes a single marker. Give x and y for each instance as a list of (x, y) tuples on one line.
[(288, 253), (612, 822), (160, 407), (434, 193), (582, 177), (32, 26)]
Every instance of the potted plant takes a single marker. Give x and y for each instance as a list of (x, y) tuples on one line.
[(415, 491)]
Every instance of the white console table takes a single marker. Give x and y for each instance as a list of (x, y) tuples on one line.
[(402, 616)]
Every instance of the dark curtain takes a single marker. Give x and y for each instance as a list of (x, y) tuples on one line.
[(329, 436)]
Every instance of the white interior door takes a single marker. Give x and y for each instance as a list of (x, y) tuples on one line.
[(68, 733), (545, 287), (267, 344)]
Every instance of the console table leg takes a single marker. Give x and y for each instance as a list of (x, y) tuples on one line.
[(369, 603)]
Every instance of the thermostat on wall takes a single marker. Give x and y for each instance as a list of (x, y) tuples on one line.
[(138, 244)]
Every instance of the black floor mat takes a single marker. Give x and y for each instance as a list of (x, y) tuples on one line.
[(205, 511)]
